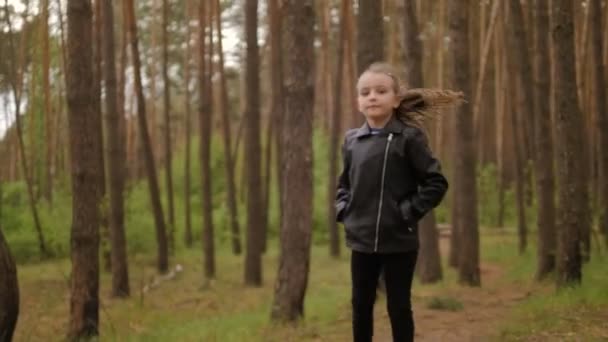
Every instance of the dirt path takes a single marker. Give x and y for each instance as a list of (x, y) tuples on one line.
[(483, 309)]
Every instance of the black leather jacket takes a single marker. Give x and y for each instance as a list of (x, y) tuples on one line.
[(390, 181)]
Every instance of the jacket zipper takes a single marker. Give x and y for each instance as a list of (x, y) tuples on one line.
[(388, 144)]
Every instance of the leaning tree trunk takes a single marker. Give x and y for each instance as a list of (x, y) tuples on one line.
[(157, 210), (429, 261), (116, 162), (464, 168), (545, 182), (292, 278), (16, 81), (85, 149), (253, 258), (9, 292), (572, 193)]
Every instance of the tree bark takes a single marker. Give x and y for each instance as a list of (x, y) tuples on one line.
[(370, 34), (429, 260), (227, 135), (601, 110), (335, 129), (545, 181), (9, 292), (572, 193), (464, 146), (87, 168), (205, 120), (115, 160), (296, 231), (188, 7), (157, 210), (253, 258), (167, 117)]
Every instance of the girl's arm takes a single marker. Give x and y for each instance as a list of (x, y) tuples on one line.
[(343, 191), (427, 170)]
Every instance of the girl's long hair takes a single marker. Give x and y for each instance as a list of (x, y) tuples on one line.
[(418, 105)]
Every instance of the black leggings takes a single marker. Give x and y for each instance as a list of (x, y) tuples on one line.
[(398, 273)]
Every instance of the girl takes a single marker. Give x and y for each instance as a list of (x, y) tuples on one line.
[(389, 182)]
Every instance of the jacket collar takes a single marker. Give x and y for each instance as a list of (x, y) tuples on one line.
[(393, 126)]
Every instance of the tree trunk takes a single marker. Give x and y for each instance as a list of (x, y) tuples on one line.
[(253, 258), (601, 111), (167, 116), (46, 88), (9, 292), (429, 260), (296, 231), (522, 66), (157, 210), (545, 182), (572, 193), (189, 6), (276, 77), (227, 135), (16, 82), (464, 169), (85, 148), (205, 120), (115, 159), (370, 34), (97, 79), (335, 129)]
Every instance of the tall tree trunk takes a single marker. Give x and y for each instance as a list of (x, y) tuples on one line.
[(227, 135), (545, 182), (253, 258), (9, 292), (167, 116), (370, 34), (276, 79), (572, 193), (85, 148), (292, 278), (464, 146), (520, 88), (188, 7), (335, 129), (16, 81), (116, 163), (46, 88), (601, 110), (205, 120), (157, 210), (429, 259), (97, 79)]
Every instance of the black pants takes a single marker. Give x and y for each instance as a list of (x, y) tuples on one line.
[(398, 273)]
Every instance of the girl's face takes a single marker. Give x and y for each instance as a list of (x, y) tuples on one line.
[(376, 95)]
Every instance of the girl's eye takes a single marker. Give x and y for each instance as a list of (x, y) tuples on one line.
[(364, 92)]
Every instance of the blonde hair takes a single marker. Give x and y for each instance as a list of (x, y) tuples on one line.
[(417, 105)]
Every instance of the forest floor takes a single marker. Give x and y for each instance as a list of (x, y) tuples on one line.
[(509, 306)]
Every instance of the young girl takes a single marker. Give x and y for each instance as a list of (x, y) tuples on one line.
[(389, 182)]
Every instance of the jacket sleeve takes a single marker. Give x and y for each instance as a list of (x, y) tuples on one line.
[(432, 185), (343, 190)]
